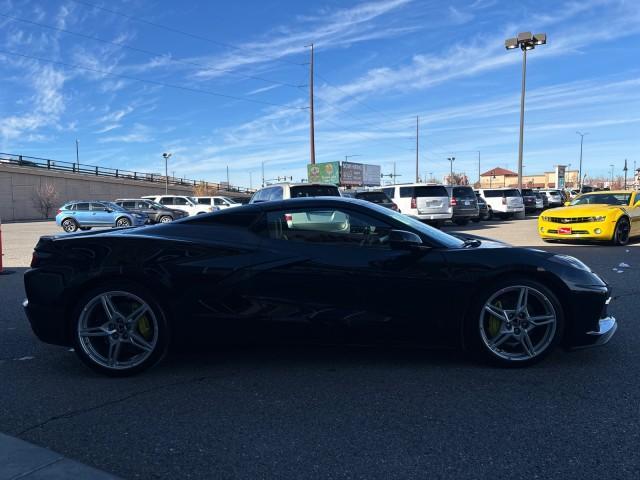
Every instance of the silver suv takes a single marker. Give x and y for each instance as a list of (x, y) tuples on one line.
[(284, 191)]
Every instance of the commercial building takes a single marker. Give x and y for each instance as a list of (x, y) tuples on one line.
[(501, 177)]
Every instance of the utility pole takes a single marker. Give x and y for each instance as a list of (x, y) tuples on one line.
[(166, 172), (479, 179), (417, 146), (250, 180), (263, 174), (580, 167), (394, 173), (227, 176), (312, 141), (625, 173), (77, 152)]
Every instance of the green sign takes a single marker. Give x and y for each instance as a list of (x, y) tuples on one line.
[(328, 172)]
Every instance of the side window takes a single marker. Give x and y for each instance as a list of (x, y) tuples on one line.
[(142, 205), (218, 201), (204, 201), (406, 192), (166, 200), (98, 207), (128, 205), (323, 226), (388, 192), (276, 193), (82, 207), (180, 201)]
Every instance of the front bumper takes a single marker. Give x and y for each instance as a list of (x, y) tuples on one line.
[(607, 327), (586, 231)]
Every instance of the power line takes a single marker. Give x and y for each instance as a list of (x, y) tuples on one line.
[(175, 30), (153, 82), (146, 52)]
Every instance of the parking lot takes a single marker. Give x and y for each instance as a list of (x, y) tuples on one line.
[(331, 412)]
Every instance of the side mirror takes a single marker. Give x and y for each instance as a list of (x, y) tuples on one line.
[(403, 240), (108, 210)]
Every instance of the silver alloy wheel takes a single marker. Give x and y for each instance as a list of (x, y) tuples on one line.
[(117, 330), (165, 219), (518, 323), (123, 222), (69, 225)]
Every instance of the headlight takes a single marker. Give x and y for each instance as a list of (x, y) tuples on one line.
[(569, 260)]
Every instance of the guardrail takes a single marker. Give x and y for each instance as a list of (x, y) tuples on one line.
[(86, 169)]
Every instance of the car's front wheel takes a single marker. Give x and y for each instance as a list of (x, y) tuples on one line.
[(622, 231), (69, 225), (119, 329), (123, 222), (515, 323), (165, 219)]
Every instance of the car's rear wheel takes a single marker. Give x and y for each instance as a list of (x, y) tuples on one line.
[(461, 221), (622, 231), (123, 222), (120, 329), (69, 225), (516, 322), (165, 219)]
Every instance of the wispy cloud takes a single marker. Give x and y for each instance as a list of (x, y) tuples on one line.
[(137, 134)]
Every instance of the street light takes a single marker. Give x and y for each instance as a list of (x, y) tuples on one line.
[(611, 176), (166, 171), (582, 135), (526, 41), (77, 153), (451, 160)]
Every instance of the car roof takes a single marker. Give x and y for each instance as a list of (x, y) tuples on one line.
[(415, 185), (289, 184), (304, 202), (609, 192)]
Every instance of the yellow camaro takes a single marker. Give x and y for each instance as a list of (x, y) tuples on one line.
[(606, 216)]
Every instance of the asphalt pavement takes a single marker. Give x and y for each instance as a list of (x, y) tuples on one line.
[(337, 413)]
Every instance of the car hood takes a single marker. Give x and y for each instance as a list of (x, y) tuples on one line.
[(581, 211)]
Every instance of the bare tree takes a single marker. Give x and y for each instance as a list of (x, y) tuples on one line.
[(44, 198), (203, 190)]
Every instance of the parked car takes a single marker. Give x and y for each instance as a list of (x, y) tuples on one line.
[(156, 212), (284, 191), (427, 202), (464, 204), (375, 196), (268, 277), (554, 197), (218, 201), (504, 202), (484, 212), (529, 200), (541, 200), (86, 214), (182, 202), (612, 216)]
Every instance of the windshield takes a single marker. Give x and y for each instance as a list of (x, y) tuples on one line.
[(463, 192), (603, 199), (314, 191), (437, 235), (375, 197), (230, 200), (115, 207), (156, 204), (528, 192), (501, 193)]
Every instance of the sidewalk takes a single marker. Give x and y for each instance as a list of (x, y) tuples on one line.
[(22, 460)]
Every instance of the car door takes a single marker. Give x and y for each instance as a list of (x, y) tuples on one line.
[(82, 214), (100, 216), (634, 213), (333, 276)]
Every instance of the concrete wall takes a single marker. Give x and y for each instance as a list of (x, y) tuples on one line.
[(18, 185)]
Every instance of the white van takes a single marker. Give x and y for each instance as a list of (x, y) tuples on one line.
[(182, 202), (422, 201), (503, 202), (217, 201)]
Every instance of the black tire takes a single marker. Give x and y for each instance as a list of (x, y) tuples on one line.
[(489, 215), (69, 225), (123, 222), (165, 219), (477, 345), (476, 219), (622, 232), (162, 339), (461, 221), (85, 229)]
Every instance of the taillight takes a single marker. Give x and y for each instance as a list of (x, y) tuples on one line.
[(414, 203), (453, 202), (59, 212), (394, 207), (504, 200)]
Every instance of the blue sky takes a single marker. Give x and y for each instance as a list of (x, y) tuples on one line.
[(242, 78)]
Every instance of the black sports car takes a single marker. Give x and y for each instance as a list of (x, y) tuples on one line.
[(307, 270)]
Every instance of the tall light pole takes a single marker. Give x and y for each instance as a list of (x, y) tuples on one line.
[(625, 173), (417, 146), (262, 173), (77, 152), (526, 41), (580, 167), (479, 179), (312, 135), (611, 175), (166, 156), (451, 160)]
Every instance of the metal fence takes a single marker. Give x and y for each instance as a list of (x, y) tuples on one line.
[(85, 169)]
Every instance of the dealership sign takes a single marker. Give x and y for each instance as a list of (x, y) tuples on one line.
[(352, 174), (371, 175), (328, 172)]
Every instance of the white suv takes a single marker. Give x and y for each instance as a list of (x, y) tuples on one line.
[(423, 201), (284, 191), (181, 202), (220, 202), (504, 202)]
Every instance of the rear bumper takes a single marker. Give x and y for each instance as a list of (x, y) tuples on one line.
[(47, 324), (431, 216)]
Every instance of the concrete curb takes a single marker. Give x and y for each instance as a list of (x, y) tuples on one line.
[(22, 460)]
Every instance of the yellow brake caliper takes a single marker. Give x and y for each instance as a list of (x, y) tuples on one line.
[(494, 323), (144, 327)]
